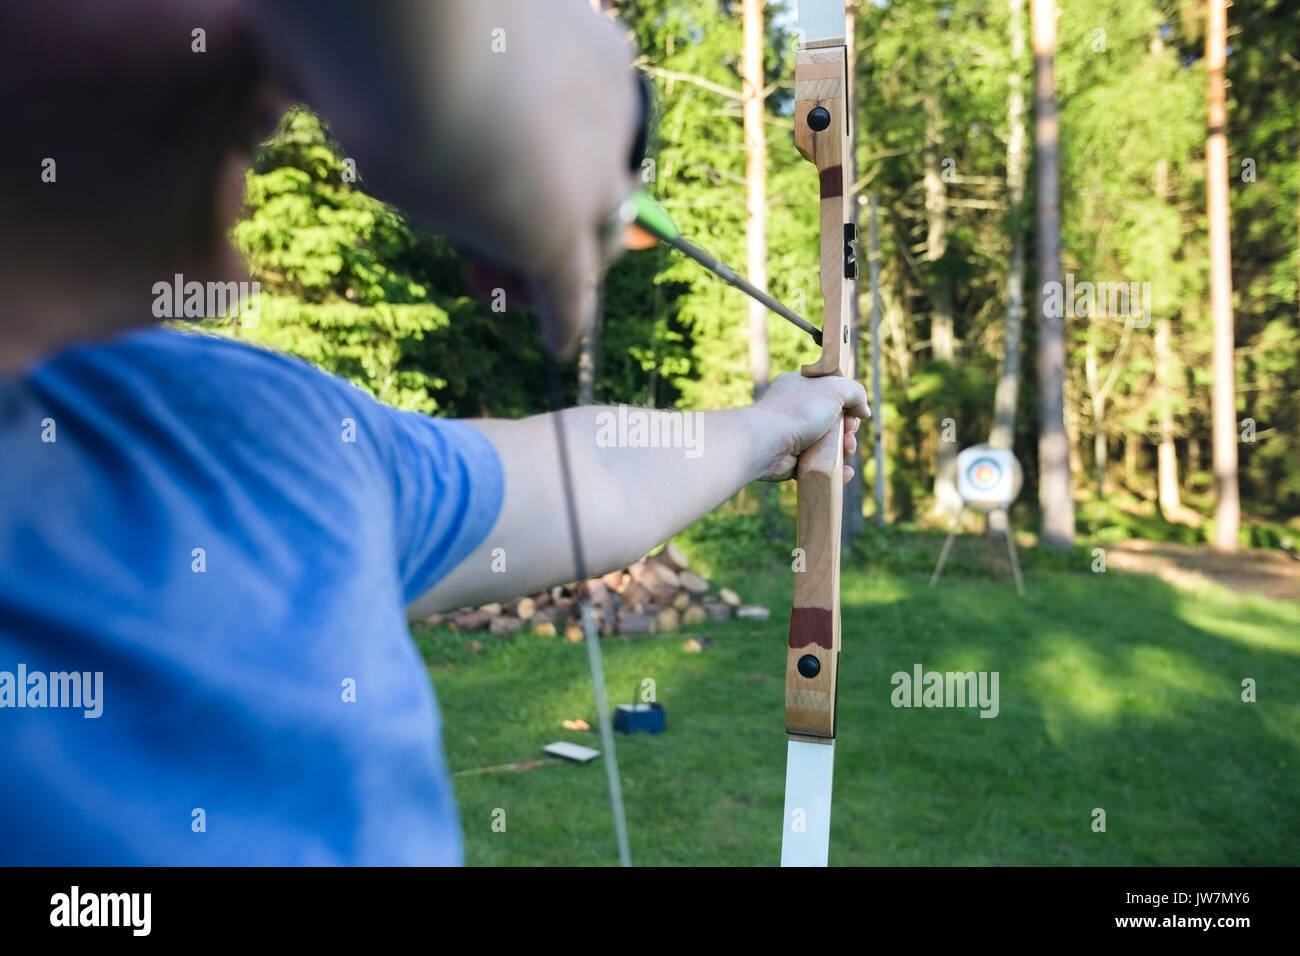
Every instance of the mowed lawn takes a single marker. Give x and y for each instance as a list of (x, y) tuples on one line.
[(1116, 692)]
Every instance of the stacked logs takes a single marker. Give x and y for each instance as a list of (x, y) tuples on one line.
[(658, 594)]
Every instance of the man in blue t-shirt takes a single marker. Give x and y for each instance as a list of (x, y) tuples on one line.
[(209, 552)]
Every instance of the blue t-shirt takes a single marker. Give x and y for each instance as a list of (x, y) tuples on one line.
[(228, 537)]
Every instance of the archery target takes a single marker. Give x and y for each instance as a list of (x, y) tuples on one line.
[(988, 478)]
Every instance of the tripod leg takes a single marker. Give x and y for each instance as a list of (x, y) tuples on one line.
[(947, 546), (1015, 559)]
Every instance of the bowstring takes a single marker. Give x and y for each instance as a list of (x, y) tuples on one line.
[(587, 617)]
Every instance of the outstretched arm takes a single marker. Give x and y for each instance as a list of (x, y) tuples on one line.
[(630, 496)]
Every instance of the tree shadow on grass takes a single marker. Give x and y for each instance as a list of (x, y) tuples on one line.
[(1111, 698)]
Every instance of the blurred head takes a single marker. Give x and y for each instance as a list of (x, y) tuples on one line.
[(126, 137)]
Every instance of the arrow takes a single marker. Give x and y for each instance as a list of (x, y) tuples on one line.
[(654, 219)]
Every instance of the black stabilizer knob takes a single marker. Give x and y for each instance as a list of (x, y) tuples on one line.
[(809, 666)]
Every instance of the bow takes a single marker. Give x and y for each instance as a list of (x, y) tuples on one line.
[(822, 136)]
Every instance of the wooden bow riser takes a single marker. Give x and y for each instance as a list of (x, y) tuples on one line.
[(811, 685)]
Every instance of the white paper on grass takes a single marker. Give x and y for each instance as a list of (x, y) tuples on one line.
[(562, 748)]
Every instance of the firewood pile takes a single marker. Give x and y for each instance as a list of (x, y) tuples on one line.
[(658, 594)]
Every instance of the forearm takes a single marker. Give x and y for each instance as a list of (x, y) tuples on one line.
[(637, 477), (648, 474)]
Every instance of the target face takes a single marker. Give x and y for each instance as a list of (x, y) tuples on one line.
[(984, 474), (987, 477)]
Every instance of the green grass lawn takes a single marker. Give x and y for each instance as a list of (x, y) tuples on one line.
[(1116, 692)]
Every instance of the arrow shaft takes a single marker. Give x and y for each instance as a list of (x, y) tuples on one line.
[(729, 276)]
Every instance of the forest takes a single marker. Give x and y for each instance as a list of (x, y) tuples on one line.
[(1011, 160)]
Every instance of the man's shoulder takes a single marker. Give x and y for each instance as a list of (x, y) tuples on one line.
[(189, 351), (218, 392), (185, 368)]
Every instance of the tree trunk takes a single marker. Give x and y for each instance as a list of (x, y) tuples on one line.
[(751, 81), (755, 140), (1130, 462), (893, 316), (1007, 396), (853, 519), (1098, 393), (588, 364), (877, 409), (1227, 510), (1166, 453), (893, 298), (1054, 490), (1097, 399), (1073, 434), (1008, 392), (942, 339)]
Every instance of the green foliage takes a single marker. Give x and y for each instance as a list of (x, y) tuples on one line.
[(698, 346), (1131, 96), (736, 537), (1120, 517), (347, 284)]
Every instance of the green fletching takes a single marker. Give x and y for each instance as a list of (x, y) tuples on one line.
[(652, 217)]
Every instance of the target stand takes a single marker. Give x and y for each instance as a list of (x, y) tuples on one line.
[(988, 480)]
